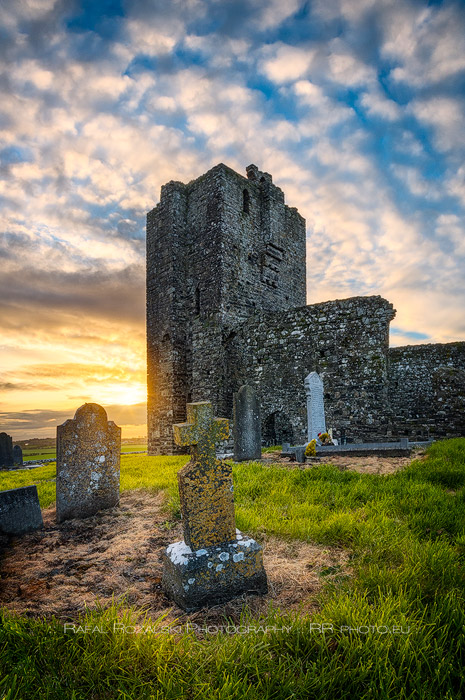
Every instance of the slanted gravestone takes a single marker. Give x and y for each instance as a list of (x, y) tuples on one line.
[(214, 562), (20, 511), (88, 463), (247, 432), (315, 406), (6, 450), (18, 456)]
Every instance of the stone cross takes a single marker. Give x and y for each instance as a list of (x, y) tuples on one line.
[(315, 406), (88, 463), (215, 562), (205, 483), (247, 425)]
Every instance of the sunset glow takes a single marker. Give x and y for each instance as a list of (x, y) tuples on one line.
[(356, 108)]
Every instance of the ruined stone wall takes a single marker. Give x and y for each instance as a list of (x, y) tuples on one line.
[(226, 306), (218, 249), (166, 318), (427, 390), (345, 341)]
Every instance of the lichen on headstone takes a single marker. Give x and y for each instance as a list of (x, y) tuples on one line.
[(88, 463)]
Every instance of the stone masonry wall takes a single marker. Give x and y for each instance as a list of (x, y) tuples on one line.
[(427, 390), (218, 249), (345, 341), (226, 306)]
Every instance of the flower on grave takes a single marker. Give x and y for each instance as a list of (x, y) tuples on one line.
[(325, 438), (310, 450)]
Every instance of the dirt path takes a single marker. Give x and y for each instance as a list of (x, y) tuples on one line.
[(365, 465)]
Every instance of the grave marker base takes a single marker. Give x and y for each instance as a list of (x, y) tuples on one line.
[(213, 575)]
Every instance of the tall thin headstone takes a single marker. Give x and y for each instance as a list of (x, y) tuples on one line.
[(247, 432), (315, 406), (88, 463), (18, 455), (6, 450), (214, 562)]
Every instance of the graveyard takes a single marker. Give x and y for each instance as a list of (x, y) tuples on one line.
[(294, 526), (364, 572)]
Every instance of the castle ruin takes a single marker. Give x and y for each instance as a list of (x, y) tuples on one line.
[(226, 306)]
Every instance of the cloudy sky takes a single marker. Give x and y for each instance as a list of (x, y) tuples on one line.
[(355, 106)]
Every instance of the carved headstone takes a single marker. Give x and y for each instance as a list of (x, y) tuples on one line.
[(215, 562), (315, 406), (247, 432), (20, 511), (88, 463), (18, 455), (6, 450)]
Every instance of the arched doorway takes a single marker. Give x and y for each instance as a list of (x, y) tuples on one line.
[(277, 428)]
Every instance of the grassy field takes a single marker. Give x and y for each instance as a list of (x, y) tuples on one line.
[(36, 453), (393, 630)]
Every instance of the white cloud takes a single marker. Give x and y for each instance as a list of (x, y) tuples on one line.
[(376, 104), (418, 185), (275, 12), (445, 115), (283, 63), (346, 69)]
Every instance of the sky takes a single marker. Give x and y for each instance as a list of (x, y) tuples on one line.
[(356, 107)]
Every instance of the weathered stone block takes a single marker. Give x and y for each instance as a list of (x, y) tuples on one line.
[(88, 463), (213, 575), (20, 511)]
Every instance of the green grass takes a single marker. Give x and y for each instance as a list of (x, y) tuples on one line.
[(272, 448), (137, 472), (34, 453), (406, 535), (43, 477)]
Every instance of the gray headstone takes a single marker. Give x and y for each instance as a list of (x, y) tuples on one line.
[(286, 447), (18, 455), (299, 453), (6, 450), (20, 511), (88, 463), (247, 425), (315, 406)]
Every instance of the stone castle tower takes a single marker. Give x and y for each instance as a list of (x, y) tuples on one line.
[(226, 306), (218, 250)]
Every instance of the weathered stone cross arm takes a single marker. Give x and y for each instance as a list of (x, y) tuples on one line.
[(201, 428)]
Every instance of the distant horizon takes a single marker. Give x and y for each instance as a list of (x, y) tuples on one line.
[(354, 107)]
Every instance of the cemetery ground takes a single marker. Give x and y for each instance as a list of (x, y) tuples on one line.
[(365, 570)]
